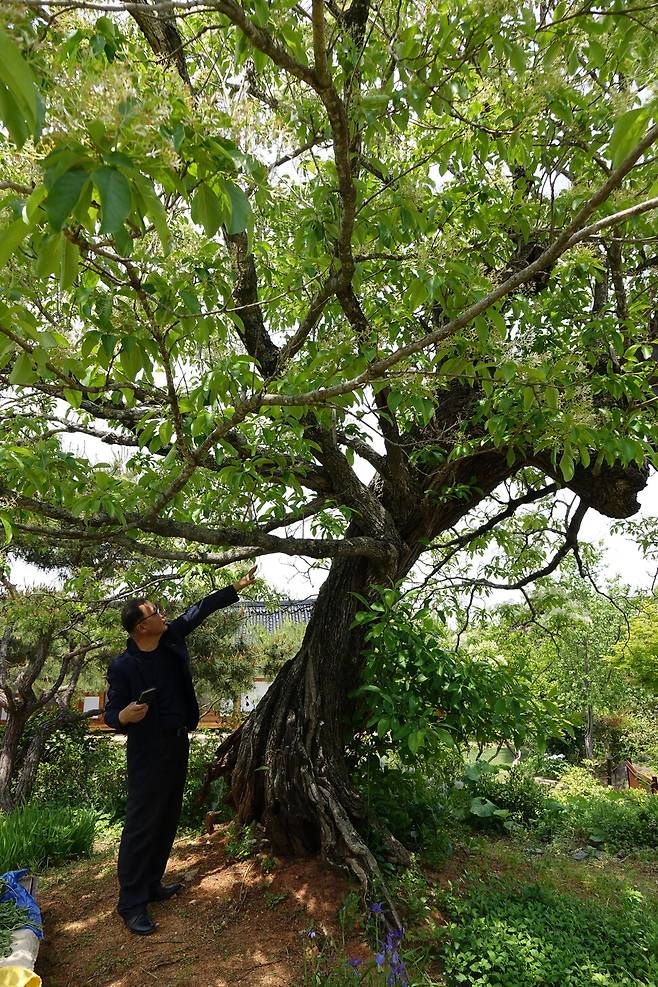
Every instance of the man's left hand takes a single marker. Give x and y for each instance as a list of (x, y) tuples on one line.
[(247, 580)]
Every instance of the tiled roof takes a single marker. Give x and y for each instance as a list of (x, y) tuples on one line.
[(261, 614)]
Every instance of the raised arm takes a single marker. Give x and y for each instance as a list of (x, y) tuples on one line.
[(198, 612)]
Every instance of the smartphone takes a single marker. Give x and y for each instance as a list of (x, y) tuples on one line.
[(147, 695)]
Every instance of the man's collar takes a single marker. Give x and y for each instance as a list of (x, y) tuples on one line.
[(133, 649)]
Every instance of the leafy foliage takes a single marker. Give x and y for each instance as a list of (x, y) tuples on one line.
[(83, 770), (417, 693), (125, 231), (418, 810), (89, 772), (637, 655), (193, 811), (607, 819), (38, 836), (514, 791), (517, 937)]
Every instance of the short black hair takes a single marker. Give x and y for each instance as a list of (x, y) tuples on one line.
[(131, 614)]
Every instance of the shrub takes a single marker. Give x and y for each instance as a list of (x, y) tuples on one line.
[(84, 770), (577, 780), (414, 808), (507, 936), (614, 820), (514, 791), (38, 836), (202, 748), (547, 765)]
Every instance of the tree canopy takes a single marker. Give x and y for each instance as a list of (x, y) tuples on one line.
[(290, 253)]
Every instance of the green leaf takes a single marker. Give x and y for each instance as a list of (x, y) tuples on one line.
[(64, 195), (22, 371), (482, 807), (49, 255), (155, 210), (424, 407), (12, 117), (74, 398), (240, 208), (206, 210), (11, 238), (394, 400), (116, 197), (21, 96), (9, 531), (70, 263), (566, 465), (627, 131)]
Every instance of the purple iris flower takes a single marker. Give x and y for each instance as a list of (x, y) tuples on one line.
[(377, 908), (380, 959)]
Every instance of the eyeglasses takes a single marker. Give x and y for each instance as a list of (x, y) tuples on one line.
[(156, 610)]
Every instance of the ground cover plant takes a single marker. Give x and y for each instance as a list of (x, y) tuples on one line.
[(522, 936)]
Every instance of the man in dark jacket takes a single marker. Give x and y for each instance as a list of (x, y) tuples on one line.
[(156, 659)]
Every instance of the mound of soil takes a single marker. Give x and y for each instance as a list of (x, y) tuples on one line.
[(232, 925)]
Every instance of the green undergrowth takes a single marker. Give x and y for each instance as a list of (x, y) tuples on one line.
[(577, 811), (605, 878), (508, 935), (517, 919), (38, 836), (499, 915)]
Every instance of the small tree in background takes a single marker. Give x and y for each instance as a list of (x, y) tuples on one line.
[(636, 655), (47, 641), (275, 648), (561, 638)]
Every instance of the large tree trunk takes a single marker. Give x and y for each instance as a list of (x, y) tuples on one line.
[(286, 763)]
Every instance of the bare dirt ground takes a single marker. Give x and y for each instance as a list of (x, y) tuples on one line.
[(232, 925)]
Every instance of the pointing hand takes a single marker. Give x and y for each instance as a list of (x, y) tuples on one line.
[(247, 580)]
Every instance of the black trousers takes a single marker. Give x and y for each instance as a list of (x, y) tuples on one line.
[(157, 770)]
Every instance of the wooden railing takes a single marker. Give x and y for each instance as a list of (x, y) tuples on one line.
[(641, 778)]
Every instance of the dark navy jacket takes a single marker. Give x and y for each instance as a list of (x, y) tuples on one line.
[(126, 677)]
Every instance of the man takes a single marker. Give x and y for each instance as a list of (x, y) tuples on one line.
[(156, 658)]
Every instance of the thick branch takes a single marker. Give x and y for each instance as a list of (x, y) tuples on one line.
[(103, 528)]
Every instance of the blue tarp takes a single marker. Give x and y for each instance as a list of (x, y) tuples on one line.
[(12, 890)]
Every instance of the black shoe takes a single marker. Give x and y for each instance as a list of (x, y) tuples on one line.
[(164, 892), (141, 924)]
